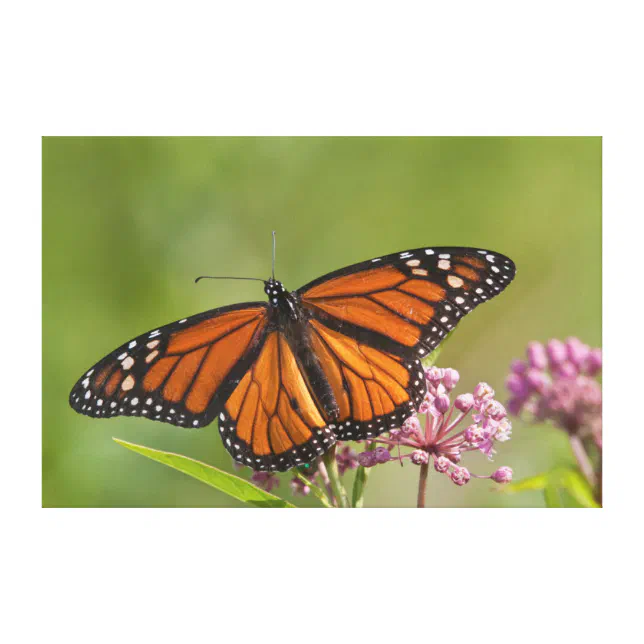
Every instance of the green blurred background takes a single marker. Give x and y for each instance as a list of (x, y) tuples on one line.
[(128, 223)]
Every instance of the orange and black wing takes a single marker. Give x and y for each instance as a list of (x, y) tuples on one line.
[(180, 373), (372, 323), (272, 420)]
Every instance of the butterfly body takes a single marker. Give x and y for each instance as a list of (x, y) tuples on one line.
[(338, 359)]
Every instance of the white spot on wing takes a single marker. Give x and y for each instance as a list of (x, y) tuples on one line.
[(127, 363), (128, 383)]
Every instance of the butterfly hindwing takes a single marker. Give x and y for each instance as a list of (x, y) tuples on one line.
[(176, 373), (272, 420), (375, 390)]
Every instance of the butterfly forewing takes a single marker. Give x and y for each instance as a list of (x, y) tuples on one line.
[(175, 373), (408, 301)]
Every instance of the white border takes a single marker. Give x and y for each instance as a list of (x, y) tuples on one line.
[(338, 68)]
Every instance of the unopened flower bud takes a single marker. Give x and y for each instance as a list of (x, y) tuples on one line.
[(381, 455), (464, 402), (537, 380), (441, 464), (518, 367), (567, 370), (516, 385), (577, 351), (516, 405), (419, 457), (594, 362), (556, 351), (451, 378), (434, 375), (537, 356), (366, 459), (502, 475), (460, 475), (442, 403)]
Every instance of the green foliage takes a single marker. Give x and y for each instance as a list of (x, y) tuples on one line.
[(562, 487), (230, 484)]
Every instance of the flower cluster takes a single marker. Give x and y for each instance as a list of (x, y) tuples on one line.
[(557, 383), (472, 421)]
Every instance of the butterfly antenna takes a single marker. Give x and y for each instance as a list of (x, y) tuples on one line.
[(216, 277), (273, 255)]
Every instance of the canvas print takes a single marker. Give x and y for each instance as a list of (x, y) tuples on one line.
[(322, 322)]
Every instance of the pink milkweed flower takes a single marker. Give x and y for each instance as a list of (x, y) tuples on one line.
[(347, 459), (537, 356), (460, 475), (450, 379), (564, 392), (474, 421), (298, 486), (265, 480), (502, 475)]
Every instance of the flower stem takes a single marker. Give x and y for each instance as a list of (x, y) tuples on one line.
[(422, 485), (334, 478), (317, 492), (327, 483), (585, 465), (362, 474)]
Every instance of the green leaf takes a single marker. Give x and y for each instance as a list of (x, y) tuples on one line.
[(556, 482), (229, 484), (573, 482), (538, 482), (552, 495)]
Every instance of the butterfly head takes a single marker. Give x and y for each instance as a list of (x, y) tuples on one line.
[(274, 289), (281, 301)]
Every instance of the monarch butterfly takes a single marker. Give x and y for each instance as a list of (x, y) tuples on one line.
[(338, 359)]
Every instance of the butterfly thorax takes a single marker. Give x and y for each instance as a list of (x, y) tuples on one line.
[(281, 301)]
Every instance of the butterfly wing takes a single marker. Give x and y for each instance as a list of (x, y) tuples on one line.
[(179, 373), (372, 323), (272, 420)]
